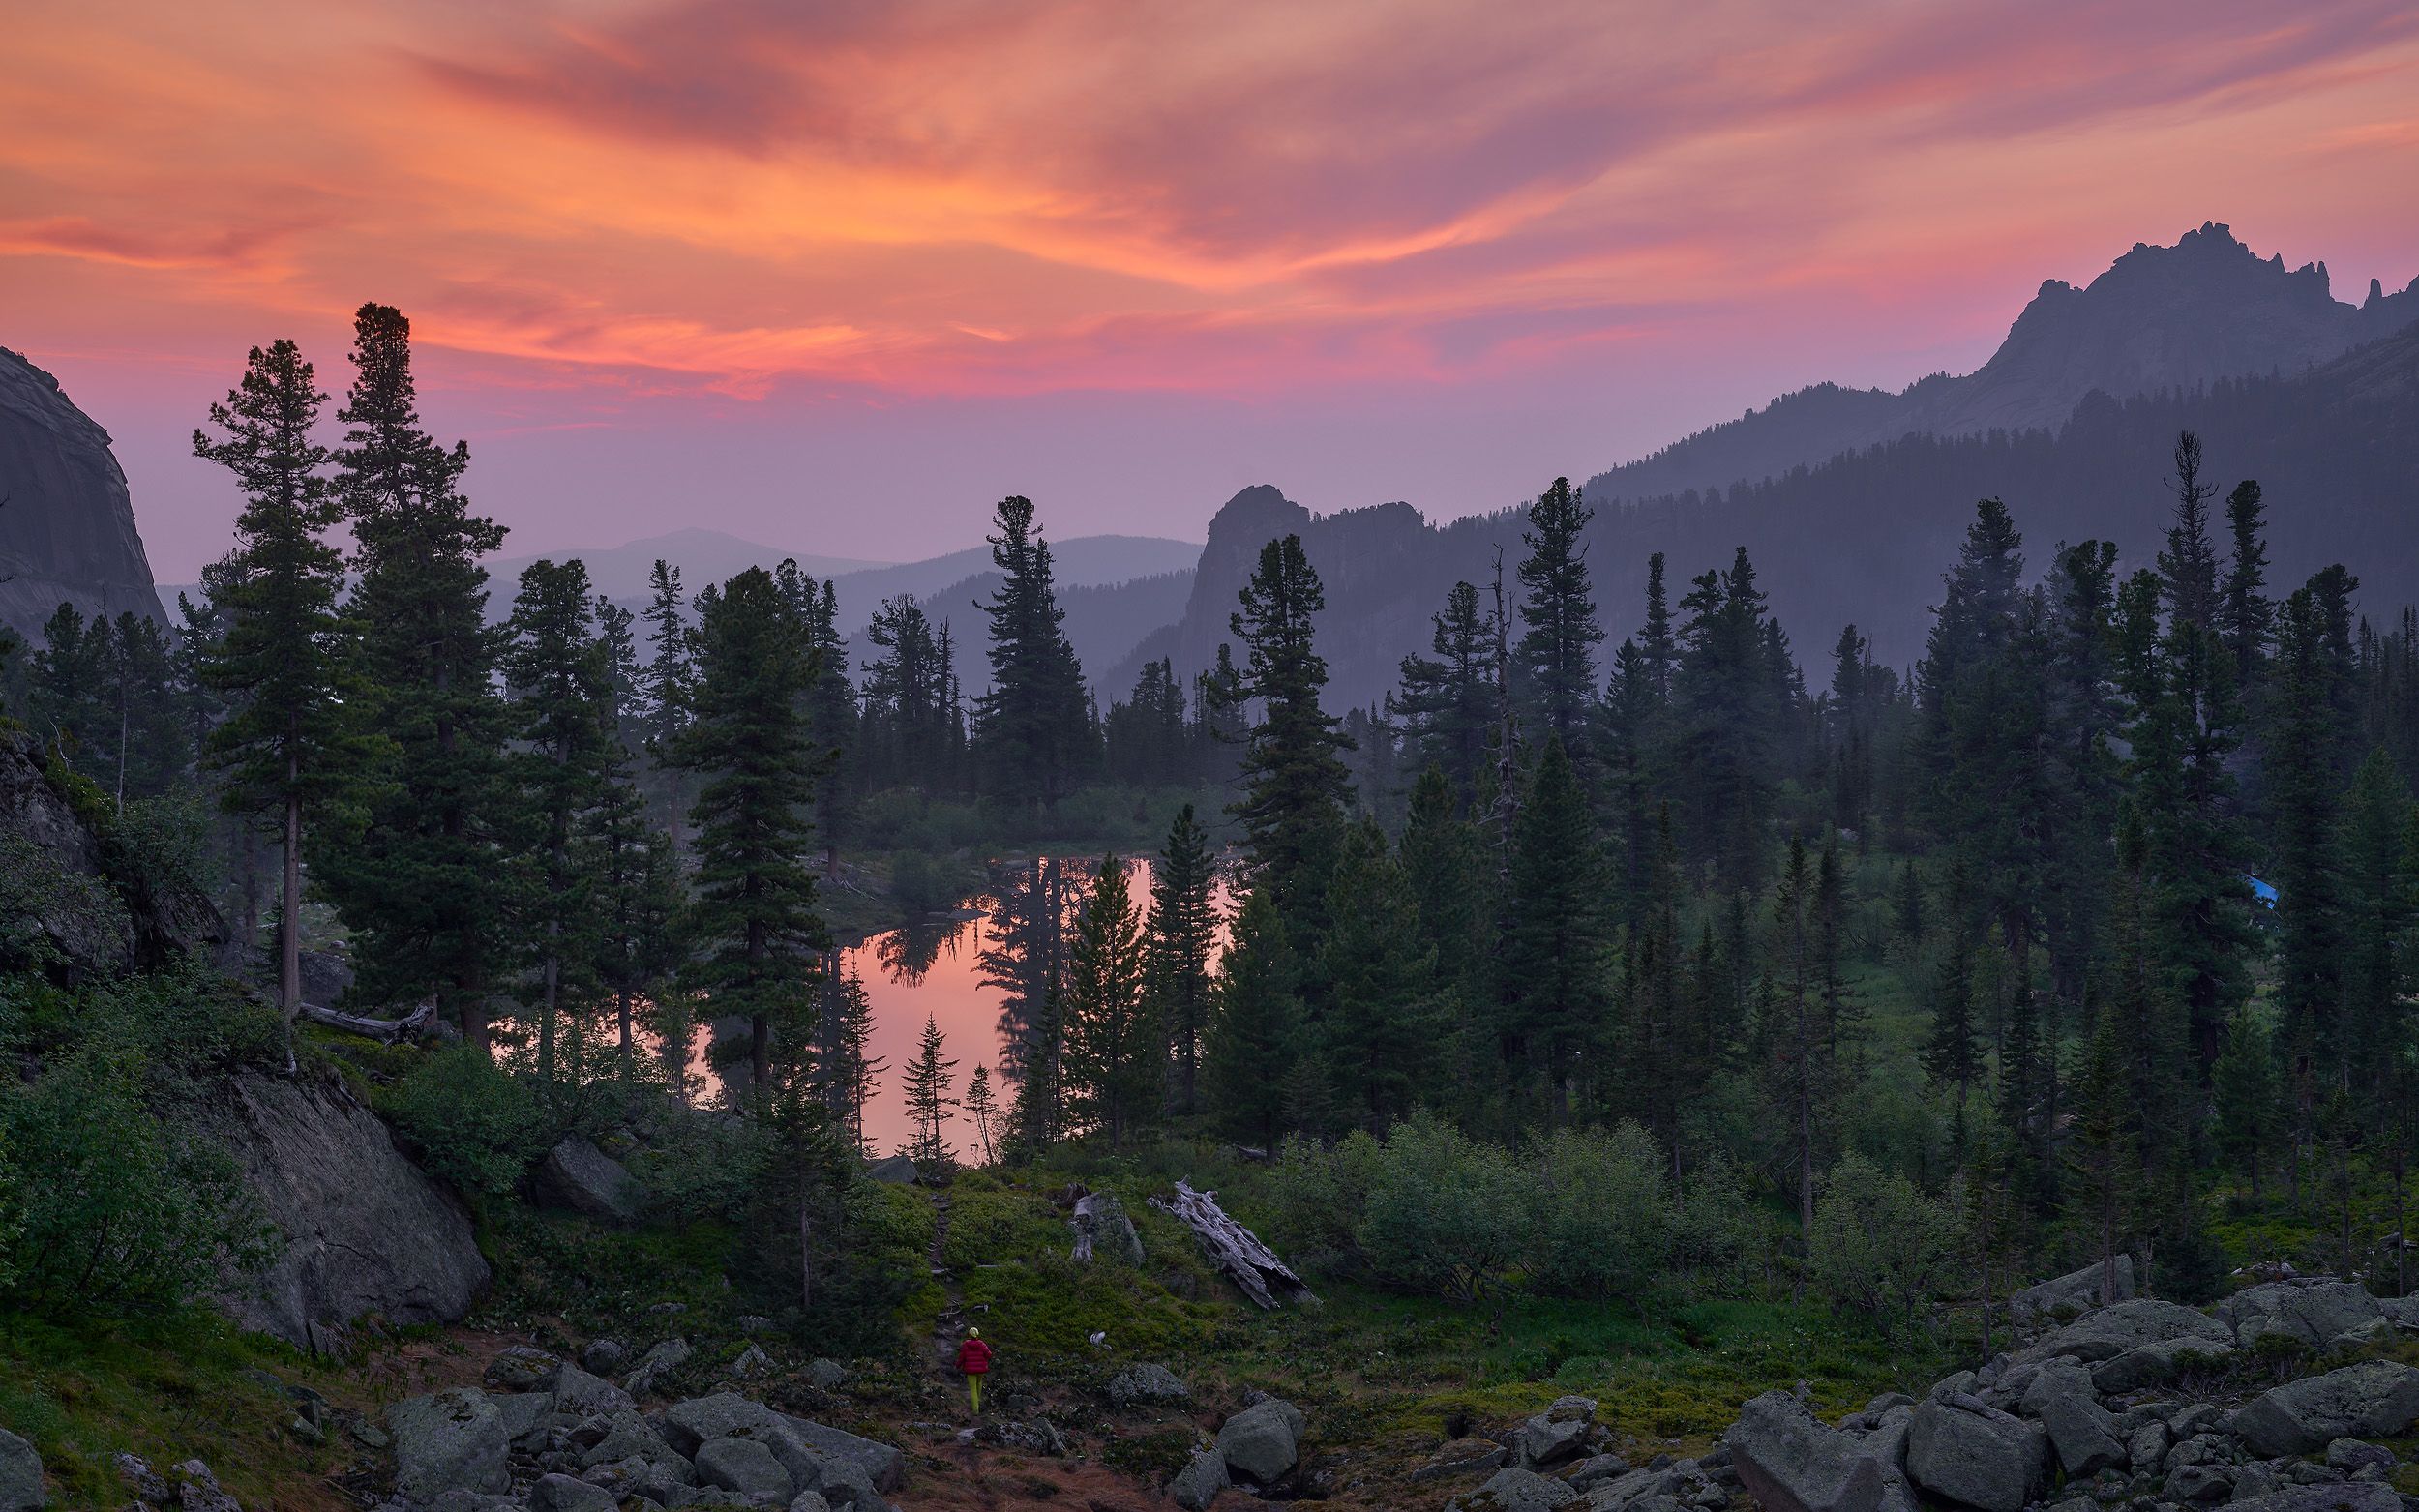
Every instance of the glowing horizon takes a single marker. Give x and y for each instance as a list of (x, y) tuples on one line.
[(837, 280)]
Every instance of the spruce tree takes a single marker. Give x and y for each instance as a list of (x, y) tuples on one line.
[(755, 921), (2305, 868), (1376, 1039), (1560, 634), (2248, 1090), (1032, 731), (425, 889), (926, 1086), (1183, 932), (667, 685), (1294, 785), (983, 1106), (2247, 616), (278, 659), (1556, 955), (558, 673), (1446, 702), (2187, 569), (1255, 1031), (1111, 1073)]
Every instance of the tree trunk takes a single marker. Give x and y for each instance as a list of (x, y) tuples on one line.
[(290, 918)]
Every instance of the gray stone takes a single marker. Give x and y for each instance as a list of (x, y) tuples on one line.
[(752, 1362), (1545, 1441), (149, 1487), (746, 1467), (2197, 1483), (1975, 1456), (2076, 1292), (1140, 1383), (881, 1465), (1103, 1231), (2149, 1364), (449, 1441), (1460, 1458), (893, 1169), (2350, 1497), (521, 1368), (809, 1502), (1791, 1463), (1199, 1481), (526, 1415), (665, 1357), (576, 1176), (1515, 1490), (604, 1357), (690, 1424), (826, 1375), (2351, 1455), (461, 1500), (2313, 1311), (1596, 1470), (584, 1395), (2374, 1398), (2113, 1330), (2147, 1447), (626, 1436), (1262, 1442), (360, 1228), (21, 1475), (563, 1493), (200, 1491), (68, 532), (2082, 1435)]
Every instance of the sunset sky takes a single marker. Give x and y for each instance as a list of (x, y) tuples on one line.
[(835, 276)]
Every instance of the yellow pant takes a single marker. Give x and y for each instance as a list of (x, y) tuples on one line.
[(975, 1391)]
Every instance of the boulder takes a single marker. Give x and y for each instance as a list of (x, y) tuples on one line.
[(2113, 1330), (21, 1475), (689, 1426), (1975, 1455), (198, 1490), (526, 1418), (881, 1465), (360, 1228), (1791, 1463), (2311, 1311), (2374, 1398), (604, 1357), (2149, 1364), (450, 1440), (1592, 1472), (1140, 1383), (1199, 1481), (809, 1502), (894, 1170), (521, 1368), (68, 533), (2199, 1484), (746, 1467), (1558, 1432), (826, 1375), (1515, 1490), (1262, 1442), (667, 1356), (2065, 1296), (1103, 1231), (2082, 1435), (564, 1493), (2351, 1455), (2356, 1495), (624, 1436), (1461, 1457), (584, 1395), (576, 1176), (148, 1485)]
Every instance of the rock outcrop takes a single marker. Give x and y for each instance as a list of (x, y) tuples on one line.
[(362, 1229), (67, 523)]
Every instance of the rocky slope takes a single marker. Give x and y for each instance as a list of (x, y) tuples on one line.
[(67, 524), (2159, 317)]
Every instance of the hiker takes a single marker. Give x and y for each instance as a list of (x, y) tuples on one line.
[(973, 1362)]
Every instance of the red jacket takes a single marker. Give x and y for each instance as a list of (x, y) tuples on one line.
[(973, 1357)]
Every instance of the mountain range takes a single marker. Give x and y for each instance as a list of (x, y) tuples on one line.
[(1851, 499)]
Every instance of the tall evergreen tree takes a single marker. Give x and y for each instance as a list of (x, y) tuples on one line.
[(1295, 789), (426, 891), (2247, 614), (1446, 702), (755, 922), (927, 1083), (1560, 634), (1113, 1075), (1376, 1035), (1255, 1033), (2187, 569), (1557, 935), (1032, 731), (667, 685), (1183, 932)]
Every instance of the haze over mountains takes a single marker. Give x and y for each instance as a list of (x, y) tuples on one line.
[(1848, 500)]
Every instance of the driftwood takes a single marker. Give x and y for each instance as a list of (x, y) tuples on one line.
[(1234, 1249), (389, 1030)]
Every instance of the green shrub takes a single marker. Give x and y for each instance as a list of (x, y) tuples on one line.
[(109, 1208), (699, 1167), (474, 1124), (1879, 1245), (1445, 1214), (1602, 1220)]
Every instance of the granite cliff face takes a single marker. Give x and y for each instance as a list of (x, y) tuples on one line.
[(67, 525), (2161, 318)]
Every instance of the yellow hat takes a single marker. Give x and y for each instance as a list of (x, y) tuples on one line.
[(974, 1333)]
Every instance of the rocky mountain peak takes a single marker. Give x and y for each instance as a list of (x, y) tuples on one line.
[(67, 523)]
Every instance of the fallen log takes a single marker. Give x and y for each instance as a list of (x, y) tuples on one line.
[(1234, 1249), (389, 1030)]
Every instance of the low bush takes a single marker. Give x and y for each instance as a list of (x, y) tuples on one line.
[(472, 1122)]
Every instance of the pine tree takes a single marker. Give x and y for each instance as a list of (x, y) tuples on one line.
[(1295, 787), (1799, 1040), (1111, 1073), (2302, 793), (1376, 1039), (1254, 1032), (1557, 652), (926, 1084), (984, 1109), (429, 903), (1183, 932), (1032, 731), (1556, 944), (848, 1069), (2187, 569), (2247, 616), (1723, 693), (1951, 1056), (1448, 703), (1656, 645), (2249, 1091), (759, 934), (637, 941), (558, 675), (666, 686), (1841, 1013)]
